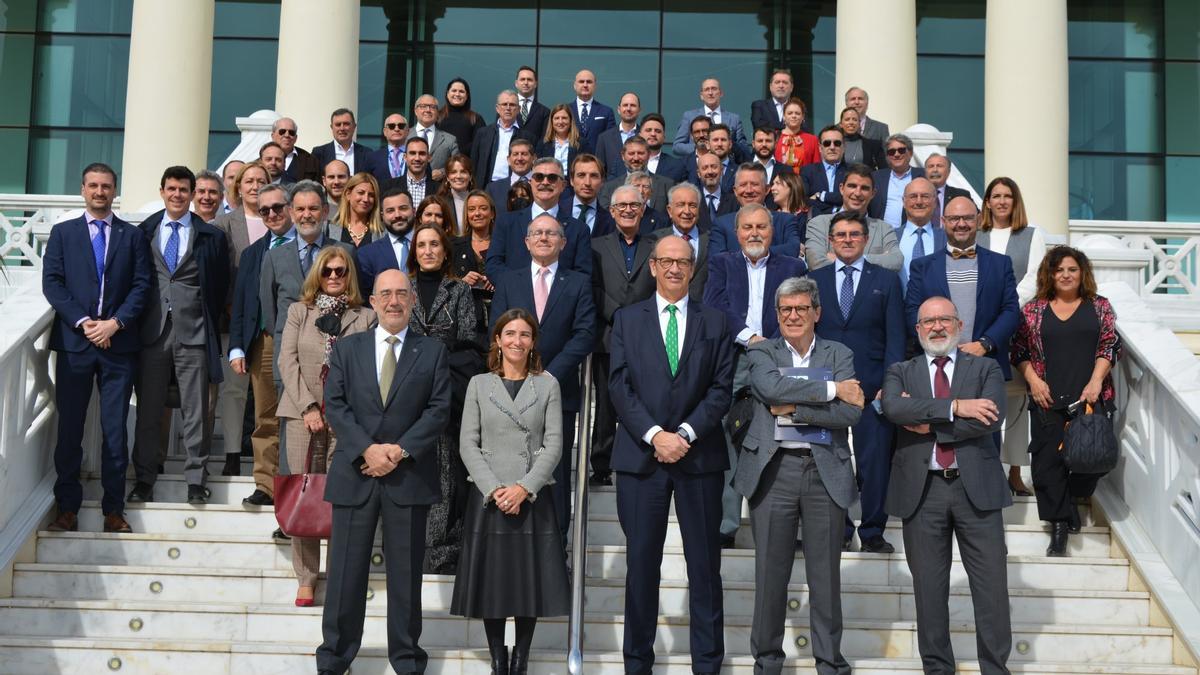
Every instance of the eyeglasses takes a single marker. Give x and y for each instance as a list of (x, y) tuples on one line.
[(626, 206), (896, 152), (683, 264), (396, 126), (335, 272), (271, 208), (843, 236), (286, 132), (546, 177), (931, 321), (835, 143), (548, 234), (788, 310), (953, 220), (425, 106), (506, 105)]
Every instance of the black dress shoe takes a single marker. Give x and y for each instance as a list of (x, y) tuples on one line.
[(141, 493), (877, 544), (500, 661), (233, 465), (198, 494), (258, 498), (599, 479), (520, 662), (728, 541), (278, 535), (1059, 533)]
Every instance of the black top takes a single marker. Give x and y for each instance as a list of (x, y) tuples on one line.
[(427, 287), (513, 386), (1070, 350), (457, 122)]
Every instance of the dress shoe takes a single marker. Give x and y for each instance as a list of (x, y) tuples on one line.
[(233, 465), (876, 544), (278, 535), (520, 662), (198, 494), (1073, 523), (116, 523), (847, 543), (1059, 533), (499, 661), (258, 498), (141, 493), (600, 479), (728, 541), (67, 521)]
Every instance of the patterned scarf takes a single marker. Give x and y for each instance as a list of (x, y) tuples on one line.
[(329, 323)]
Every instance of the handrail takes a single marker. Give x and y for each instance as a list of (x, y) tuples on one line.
[(579, 525)]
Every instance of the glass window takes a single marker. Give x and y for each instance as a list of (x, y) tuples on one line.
[(1182, 26), (1183, 175), (87, 16), (951, 27), (57, 156), (20, 16), (504, 22), (16, 78), (957, 109), (81, 81), (717, 24), (14, 148), (243, 80), (372, 80), (826, 103), (489, 70), (1183, 108), (1116, 106), (617, 23), (1116, 29), (617, 71), (742, 76), (1115, 187), (241, 18)]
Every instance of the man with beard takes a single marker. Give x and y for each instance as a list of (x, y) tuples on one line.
[(713, 194), (390, 252), (334, 181), (272, 157), (658, 162), (611, 141), (634, 156), (750, 187), (947, 483), (768, 112), (857, 189), (762, 144)]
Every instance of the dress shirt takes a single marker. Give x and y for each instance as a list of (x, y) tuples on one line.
[(345, 154), (590, 219), (93, 230), (503, 138), (779, 106), (704, 198), (769, 165), (681, 323), (226, 207), (287, 161), (626, 135), (693, 238), (562, 152), (237, 353), (302, 247), (830, 175), (536, 210), (514, 178), (839, 275), (524, 103), (421, 129), (550, 276), (713, 114), (908, 241), (401, 246), (953, 355), (185, 234), (416, 188), (895, 199), (652, 162), (802, 361), (628, 250), (757, 275), (579, 103), (381, 346)]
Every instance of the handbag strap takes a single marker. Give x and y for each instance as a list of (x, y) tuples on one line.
[(312, 439)]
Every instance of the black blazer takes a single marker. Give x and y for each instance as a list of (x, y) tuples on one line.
[(431, 186), (763, 114), (612, 287), (546, 149), (535, 125), (882, 179), (604, 223), (608, 151), (874, 330), (463, 260), (362, 157), (304, 167), (484, 148), (413, 420), (816, 183), (246, 320)]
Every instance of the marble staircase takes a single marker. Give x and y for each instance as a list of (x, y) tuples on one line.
[(205, 589)]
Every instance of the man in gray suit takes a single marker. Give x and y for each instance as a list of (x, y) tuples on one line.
[(787, 480), (442, 144), (883, 247), (947, 482), (857, 98), (710, 96)]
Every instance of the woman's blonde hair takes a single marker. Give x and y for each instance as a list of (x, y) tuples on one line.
[(374, 222), (237, 179), (312, 283), (572, 132)]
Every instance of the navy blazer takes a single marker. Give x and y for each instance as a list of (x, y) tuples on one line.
[(728, 288), (785, 235), (645, 394), (362, 157), (567, 329), (381, 166), (874, 330), (764, 115), (484, 147), (246, 316), (72, 288), (374, 258), (600, 119), (498, 191), (997, 310), (604, 223), (508, 251), (414, 420), (608, 151), (539, 118), (882, 179), (815, 181), (727, 174), (669, 166), (652, 220)]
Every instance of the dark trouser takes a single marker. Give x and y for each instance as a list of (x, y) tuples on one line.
[(946, 514), (562, 475), (604, 428), (643, 506), (790, 489), (873, 468), (1054, 484), (189, 363), (74, 374), (350, 545)]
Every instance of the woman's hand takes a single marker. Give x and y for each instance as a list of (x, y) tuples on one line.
[(1039, 390), (472, 278), (509, 499), (313, 421), (1091, 393)]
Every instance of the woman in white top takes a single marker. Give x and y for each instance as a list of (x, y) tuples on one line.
[(460, 180), (561, 140), (1004, 228)]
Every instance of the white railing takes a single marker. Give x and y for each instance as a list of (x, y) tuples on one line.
[(26, 220)]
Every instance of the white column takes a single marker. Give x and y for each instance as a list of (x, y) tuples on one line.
[(168, 94), (318, 64), (1026, 107), (877, 51)]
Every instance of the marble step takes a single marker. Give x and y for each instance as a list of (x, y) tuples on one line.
[(254, 552), (602, 631), (38, 656), (886, 603)]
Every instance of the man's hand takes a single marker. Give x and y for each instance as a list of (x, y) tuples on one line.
[(755, 339), (669, 447), (100, 332), (376, 461), (783, 409), (395, 452), (973, 348), (850, 391), (313, 421), (238, 365), (980, 409)]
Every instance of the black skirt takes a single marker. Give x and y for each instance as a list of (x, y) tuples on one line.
[(511, 565)]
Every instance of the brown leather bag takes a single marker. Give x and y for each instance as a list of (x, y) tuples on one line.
[(300, 506)]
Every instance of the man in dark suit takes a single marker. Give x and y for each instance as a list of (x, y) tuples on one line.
[(384, 467), (561, 299), (715, 198), (947, 482), (611, 142), (919, 233), (672, 373), (520, 163), (976, 280), (299, 164), (620, 277), (97, 274), (888, 202), (789, 480), (652, 219), (864, 310), (768, 112), (729, 155), (750, 187), (683, 210), (858, 186), (532, 116), (508, 249), (343, 146), (388, 162), (591, 116), (937, 170), (418, 178), (491, 145), (762, 144), (582, 203), (659, 163), (823, 180), (179, 331), (390, 252), (633, 157), (857, 98)]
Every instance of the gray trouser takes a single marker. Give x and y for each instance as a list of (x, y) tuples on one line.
[(190, 366)]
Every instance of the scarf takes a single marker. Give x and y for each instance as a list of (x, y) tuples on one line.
[(329, 322)]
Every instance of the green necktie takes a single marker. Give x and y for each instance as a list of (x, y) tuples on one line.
[(673, 340), (388, 371)]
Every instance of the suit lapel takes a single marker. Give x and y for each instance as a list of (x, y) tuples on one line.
[(556, 291), (656, 343), (920, 377), (691, 330), (964, 365), (865, 284), (939, 274), (116, 239)]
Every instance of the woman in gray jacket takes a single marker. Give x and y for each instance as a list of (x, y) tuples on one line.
[(512, 561)]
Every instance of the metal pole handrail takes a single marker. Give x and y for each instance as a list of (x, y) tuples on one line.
[(579, 526)]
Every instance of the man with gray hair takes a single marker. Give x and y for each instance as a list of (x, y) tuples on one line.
[(441, 143), (750, 187), (489, 148), (299, 164), (888, 202), (857, 98), (683, 210), (210, 192), (792, 472), (937, 170), (652, 219), (508, 249)]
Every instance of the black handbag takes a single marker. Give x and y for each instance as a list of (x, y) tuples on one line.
[(1089, 443), (741, 413)]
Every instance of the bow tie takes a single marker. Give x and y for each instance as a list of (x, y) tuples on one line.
[(957, 253)]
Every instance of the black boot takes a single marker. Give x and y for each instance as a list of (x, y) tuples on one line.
[(520, 661), (499, 661), (1059, 531)]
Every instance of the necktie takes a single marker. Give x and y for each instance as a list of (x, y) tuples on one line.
[(957, 253), (846, 296), (919, 247), (307, 261), (524, 110), (425, 135), (941, 389), (278, 240), (937, 206), (541, 291), (673, 340), (712, 115), (712, 206), (583, 215), (388, 371), (171, 255), (583, 119), (395, 162), (98, 249)]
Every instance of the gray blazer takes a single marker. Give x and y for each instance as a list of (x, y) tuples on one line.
[(873, 128), (503, 441), (280, 280), (233, 224), (770, 388), (883, 244), (659, 186), (974, 443), (444, 145)]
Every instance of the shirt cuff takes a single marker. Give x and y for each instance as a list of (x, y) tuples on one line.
[(743, 337), (830, 391), (81, 321), (690, 432), (236, 353), (952, 410), (649, 435)]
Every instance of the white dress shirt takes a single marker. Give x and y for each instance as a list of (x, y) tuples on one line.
[(164, 233), (381, 347), (693, 238), (287, 161), (345, 154), (756, 273), (803, 361), (536, 210), (950, 376), (652, 162), (420, 132), (401, 247), (681, 322), (713, 114), (503, 139)]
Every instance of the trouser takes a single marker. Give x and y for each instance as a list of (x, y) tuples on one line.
[(604, 428), (872, 468), (229, 400), (265, 438), (562, 475), (189, 363), (1054, 485)]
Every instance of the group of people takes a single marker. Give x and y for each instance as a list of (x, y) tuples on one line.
[(801, 321)]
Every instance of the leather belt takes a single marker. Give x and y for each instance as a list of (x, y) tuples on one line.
[(798, 452), (948, 474)]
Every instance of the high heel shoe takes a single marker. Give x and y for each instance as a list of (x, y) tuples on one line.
[(306, 602), (1058, 540), (1018, 490)]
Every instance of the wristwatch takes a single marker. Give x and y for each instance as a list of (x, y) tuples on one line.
[(986, 342), (684, 435)]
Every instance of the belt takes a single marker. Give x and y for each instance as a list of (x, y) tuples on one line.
[(797, 452), (948, 474)]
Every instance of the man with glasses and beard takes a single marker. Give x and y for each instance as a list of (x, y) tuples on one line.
[(508, 250), (390, 252)]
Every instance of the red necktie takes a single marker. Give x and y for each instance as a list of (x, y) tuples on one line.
[(941, 389)]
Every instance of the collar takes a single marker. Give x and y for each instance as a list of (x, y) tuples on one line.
[(407, 237), (806, 355), (88, 217), (536, 210), (381, 334), (857, 265), (627, 131), (419, 128), (952, 355), (662, 303), (184, 221), (708, 194), (829, 166), (506, 129), (579, 103), (761, 264), (576, 201), (770, 162), (513, 178), (909, 224), (679, 233), (906, 174), (318, 242), (553, 267), (347, 149), (287, 236), (709, 111)]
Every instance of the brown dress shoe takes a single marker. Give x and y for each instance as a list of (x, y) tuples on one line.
[(66, 521), (115, 522)]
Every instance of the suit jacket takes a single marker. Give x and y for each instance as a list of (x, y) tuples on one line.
[(444, 145), (882, 178), (431, 185), (683, 135), (374, 258), (777, 169), (770, 388), (822, 198), (546, 149), (381, 165), (612, 287), (874, 129), (567, 329), (883, 243), (72, 288), (874, 329), (508, 250), (484, 148), (246, 314), (997, 310), (700, 269), (535, 124), (608, 150), (362, 157), (728, 288), (764, 114), (414, 421), (725, 205), (669, 166), (280, 281), (303, 167), (600, 118), (237, 234), (652, 219), (604, 222), (974, 442), (785, 235), (659, 185), (507, 441), (645, 394), (302, 355), (949, 192), (727, 173), (498, 191)]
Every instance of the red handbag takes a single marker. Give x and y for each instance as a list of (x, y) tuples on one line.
[(300, 506)]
